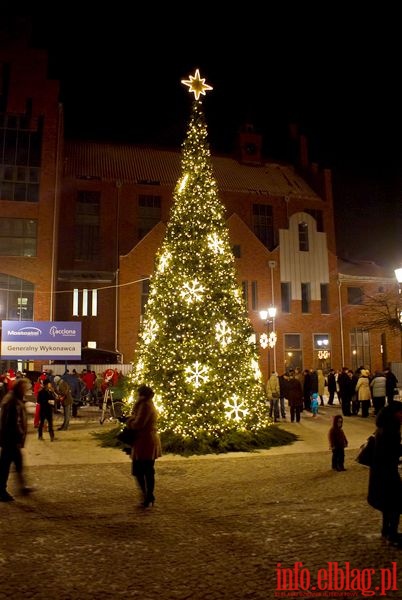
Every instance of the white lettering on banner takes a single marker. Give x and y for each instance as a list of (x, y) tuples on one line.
[(41, 349), (31, 331), (54, 331)]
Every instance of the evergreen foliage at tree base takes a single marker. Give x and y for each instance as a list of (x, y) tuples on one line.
[(233, 441)]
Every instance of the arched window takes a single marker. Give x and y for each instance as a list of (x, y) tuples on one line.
[(16, 298)]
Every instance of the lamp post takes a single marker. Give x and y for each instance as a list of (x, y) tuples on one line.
[(269, 340), (398, 275)]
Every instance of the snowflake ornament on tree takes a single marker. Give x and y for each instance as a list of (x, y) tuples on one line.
[(192, 292), (223, 333), (235, 410), (197, 374)]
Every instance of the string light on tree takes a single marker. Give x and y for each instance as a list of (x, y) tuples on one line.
[(201, 357)]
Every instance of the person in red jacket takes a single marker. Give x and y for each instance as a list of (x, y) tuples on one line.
[(10, 379)]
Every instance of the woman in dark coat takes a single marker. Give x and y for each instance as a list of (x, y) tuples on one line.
[(146, 447), (385, 486)]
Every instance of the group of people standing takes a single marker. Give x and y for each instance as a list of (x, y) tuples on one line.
[(299, 389), (358, 390), (305, 390)]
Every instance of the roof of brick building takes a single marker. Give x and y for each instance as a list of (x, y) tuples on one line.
[(364, 269), (137, 164)]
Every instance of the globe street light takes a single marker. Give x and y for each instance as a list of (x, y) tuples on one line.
[(271, 339)]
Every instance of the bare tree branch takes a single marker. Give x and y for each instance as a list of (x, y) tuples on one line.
[(382, 311)]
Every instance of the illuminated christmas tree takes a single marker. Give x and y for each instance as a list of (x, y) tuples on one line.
[(196, 347)]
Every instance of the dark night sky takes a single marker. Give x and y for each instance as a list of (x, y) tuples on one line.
[(338, 75)]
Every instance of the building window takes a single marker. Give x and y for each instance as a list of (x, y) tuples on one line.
[(149, 213), (236, 249), (317, 215), (263, 224), (4, 83), (293, 351), (244, 289), (360, 348), (144, 294), (322, 351), (324, 287), (254, 295), (18, 237), (20, 159), (16, 298), (286, 296), (305, 297), (303, 237), (355, 295), (87, 225)]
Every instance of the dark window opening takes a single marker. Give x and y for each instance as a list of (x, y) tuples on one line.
[(18, 237), (324, 298), (254, 295), (16, 298), (286, 297), (306, 297), (303, 237), (87, 225), (355, 295), (149, 213), (263, 224), (236, 249)]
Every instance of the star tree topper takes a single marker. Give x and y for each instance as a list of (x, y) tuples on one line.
[(196, 84)]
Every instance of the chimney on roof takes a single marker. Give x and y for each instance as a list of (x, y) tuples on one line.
[(249, 145)]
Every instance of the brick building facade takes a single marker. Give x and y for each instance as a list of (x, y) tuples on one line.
[(31, 147), (114, 205)]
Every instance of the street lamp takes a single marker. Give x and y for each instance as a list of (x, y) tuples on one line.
[(398, 275), (269, 317)]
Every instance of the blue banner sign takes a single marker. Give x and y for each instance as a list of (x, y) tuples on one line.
[(56, 340)]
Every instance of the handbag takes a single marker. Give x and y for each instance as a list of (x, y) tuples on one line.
[(127, 436), (366, 453), (275, 395)]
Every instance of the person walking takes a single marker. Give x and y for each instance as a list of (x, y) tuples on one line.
[(46, 401), (337, 443), (385, 486), (146, 447), (13, 431)]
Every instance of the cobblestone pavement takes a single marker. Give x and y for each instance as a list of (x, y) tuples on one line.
[(218, 529)]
